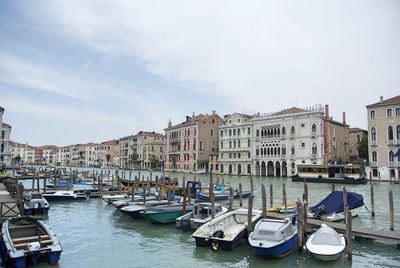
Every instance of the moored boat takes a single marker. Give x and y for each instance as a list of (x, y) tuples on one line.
[(226, 230), (344, 174), (64, 196), (165, 214), (221, 192), (200, 214), (133, 209), (332, 207), (273, 238), (326, 244), (26, 239), (35, 204)]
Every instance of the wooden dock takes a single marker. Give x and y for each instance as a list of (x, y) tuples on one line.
[(366, 233), (9, 206)]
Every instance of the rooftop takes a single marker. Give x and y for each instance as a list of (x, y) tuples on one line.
[(356, 129), (382, 102)]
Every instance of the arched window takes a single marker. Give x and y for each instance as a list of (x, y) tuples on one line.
[(391, 156), (275, 151), (283, 150), (313, 128), (398, 133), (268, 152), (292, 130), (257, 151), (275, 132), (238, 143), (248, 169), (222, 168), (257, 132), (279, 151), (373, 134), (293, 165), (292, 150), (390, 133), (279, 131), (314, 149), (283, 131), (374, 156), (239, 169)]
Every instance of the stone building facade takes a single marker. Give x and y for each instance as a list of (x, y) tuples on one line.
[(190, 143), (384, 138), (355, 137), (235, 145), (287, 138), (5, 142)]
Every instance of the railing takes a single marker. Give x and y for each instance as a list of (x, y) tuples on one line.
[(373, 143), (292, 136), (373, 164), (397, 142), (390, 142), (313, 156), (9, 209), (391, 164)]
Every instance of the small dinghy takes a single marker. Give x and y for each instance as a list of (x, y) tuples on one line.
[(164, 214), (225, 230), (26, 239), (200, 214), (273, 238), (326, 244), (35, 204)]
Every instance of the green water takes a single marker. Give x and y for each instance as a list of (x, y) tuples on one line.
[(94, 234)]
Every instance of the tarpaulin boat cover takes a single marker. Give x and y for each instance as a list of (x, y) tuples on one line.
[(334, 202)]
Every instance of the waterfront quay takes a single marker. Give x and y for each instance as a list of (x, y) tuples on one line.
[(94, 234)]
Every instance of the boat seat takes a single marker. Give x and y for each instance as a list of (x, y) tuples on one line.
[(30, 239), (22, 226), (45, 243)]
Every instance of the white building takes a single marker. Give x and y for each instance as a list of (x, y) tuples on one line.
[(235, 150), (286, 139)]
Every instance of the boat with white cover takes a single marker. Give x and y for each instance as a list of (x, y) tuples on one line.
[(326, 244), (64, 196), (274, 238), (226, 230)]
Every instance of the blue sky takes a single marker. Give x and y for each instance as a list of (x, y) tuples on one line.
[(80, 71)]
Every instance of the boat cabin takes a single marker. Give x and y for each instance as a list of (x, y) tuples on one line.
[(330, 171), (203, 210), (273, 230)]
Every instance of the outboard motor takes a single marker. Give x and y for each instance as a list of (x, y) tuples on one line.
[(319, 212)]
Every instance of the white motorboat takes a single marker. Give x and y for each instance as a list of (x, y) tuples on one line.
[(116, 197), (225, 230), (64, 196), (200, 214), (326, 244)]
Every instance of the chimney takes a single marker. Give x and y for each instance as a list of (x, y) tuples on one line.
[(344, 118), (187, 118), (213, 112), (381, 99), (327, 111)]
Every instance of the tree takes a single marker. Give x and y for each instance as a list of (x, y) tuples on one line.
[(363, 148)]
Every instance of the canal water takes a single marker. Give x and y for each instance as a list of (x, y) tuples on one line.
[(94, 234)]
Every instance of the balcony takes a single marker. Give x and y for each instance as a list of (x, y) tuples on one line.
[(373, 143), (313, 135), (391, 164), (373, 164), (292, 136), (283, 137), (314, 156), (292, 157), (391, 143)]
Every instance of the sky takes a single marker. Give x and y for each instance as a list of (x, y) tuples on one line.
[(77, 71)]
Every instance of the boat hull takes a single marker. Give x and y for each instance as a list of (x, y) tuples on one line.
[(55, 198), (162, 217), (278, 251)]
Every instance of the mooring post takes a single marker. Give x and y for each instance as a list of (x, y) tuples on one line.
[(211, 195), (345, 205), (271, 196), (250, 215), (240, 195), (189, 194), (300, 227), (349, 235), (112, 182), (284, 200), (144, 194), (38, 183), (119, 184), (230, 199), (130, 174), (251, 184), (391, 210), (305, 193), (333, 187), (45, 184), (223, 181), (20, 189), (372, 199), (263, 201), (217, 179)]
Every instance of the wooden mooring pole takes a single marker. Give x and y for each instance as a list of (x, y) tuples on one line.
[(300, 227), (349, 235), (263, 201), (271, 196), (333, 187), (284, 199), (250, 215), (230, 199), (372, 200), (240, 195), (305, 193), (391, 210), (211, 195)]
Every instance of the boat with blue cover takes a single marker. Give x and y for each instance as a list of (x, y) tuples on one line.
[(274, 238), (332, 207), (221, 192), (25, 239)]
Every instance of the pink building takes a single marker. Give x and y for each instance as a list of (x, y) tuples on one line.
[(190, 143)]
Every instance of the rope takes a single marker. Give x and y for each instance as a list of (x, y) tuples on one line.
[(367, 208)]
